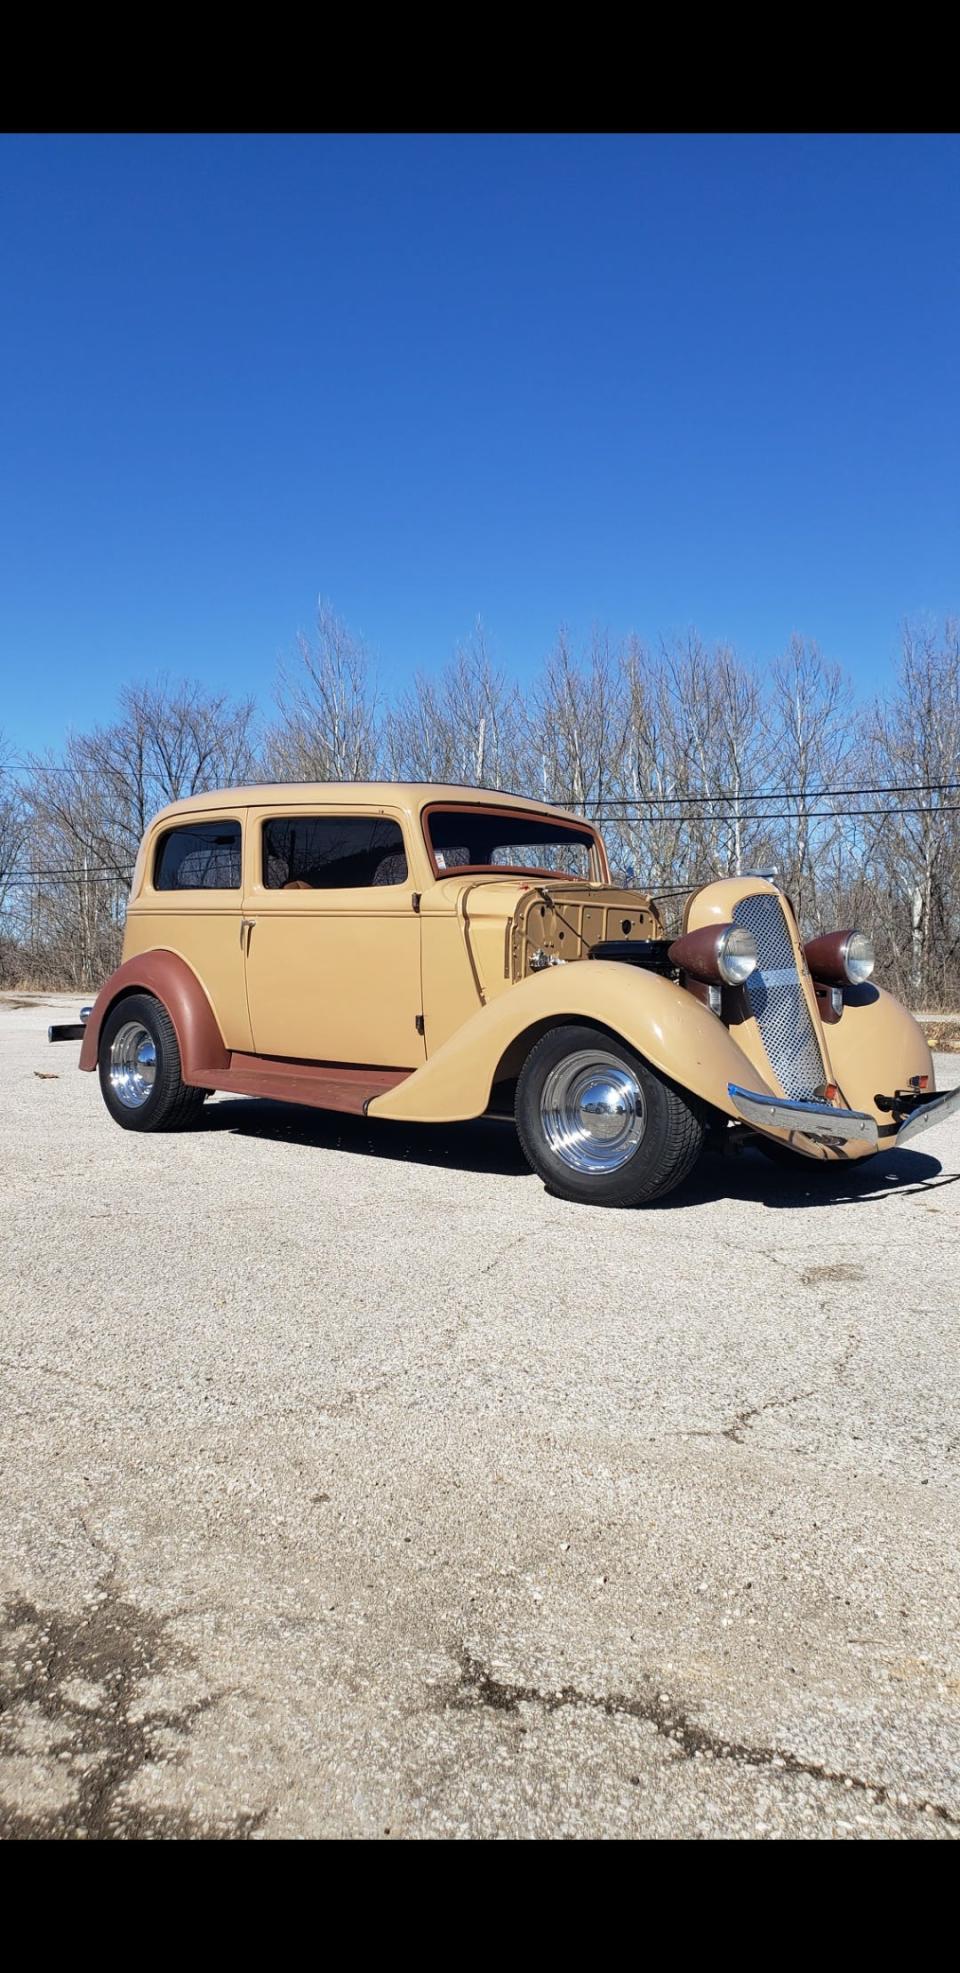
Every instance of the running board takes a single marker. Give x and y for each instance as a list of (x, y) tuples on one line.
[(320, 1085)]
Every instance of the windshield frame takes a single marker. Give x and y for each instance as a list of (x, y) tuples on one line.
[(599, 869)]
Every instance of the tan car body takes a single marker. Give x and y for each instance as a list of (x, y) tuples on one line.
[(414, 1000)]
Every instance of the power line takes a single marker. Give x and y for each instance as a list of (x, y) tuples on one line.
[(725, 794), (33, 876), (645, 821), (780, 794), (784, 815), (624, 807)]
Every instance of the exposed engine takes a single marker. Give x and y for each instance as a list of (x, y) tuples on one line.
[(554, 924)]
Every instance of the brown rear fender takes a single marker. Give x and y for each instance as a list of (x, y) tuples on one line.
[(664, 1023), (170, 980)]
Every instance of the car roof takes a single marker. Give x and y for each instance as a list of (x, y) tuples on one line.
[(410, 796)]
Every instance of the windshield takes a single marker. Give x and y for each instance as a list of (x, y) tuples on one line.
[(509, 840)]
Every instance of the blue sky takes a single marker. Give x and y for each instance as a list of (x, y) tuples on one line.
[(645, 382)]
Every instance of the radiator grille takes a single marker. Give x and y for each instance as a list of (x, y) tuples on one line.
[(777, 1000)]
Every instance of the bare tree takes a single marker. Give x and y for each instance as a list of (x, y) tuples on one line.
[(466, 726), (915, 737), (694, 749), (87, 812), (650, 839), (168, 742), (327, 724), (809, 727), (12, 838), (694, 763), (717, 738), (578, 725), (12, 822)]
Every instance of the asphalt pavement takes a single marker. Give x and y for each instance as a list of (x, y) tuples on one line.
[(353, 1486)]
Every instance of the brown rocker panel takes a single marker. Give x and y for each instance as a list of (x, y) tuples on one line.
[(320, 1085), (164, 974)]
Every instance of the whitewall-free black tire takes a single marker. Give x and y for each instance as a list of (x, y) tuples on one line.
[(599, 1125)]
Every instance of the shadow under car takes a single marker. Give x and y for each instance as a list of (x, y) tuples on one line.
[(490, 1145)]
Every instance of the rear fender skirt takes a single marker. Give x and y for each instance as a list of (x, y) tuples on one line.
[(168, 978), (665, 1025)]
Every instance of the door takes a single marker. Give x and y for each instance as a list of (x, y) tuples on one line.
[(190, 902), (332, 938)]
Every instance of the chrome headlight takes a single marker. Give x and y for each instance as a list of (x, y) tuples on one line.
[(716, 952), (736, 955), (857, 957), (836, 958)]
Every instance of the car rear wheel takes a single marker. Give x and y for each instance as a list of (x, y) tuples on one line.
[(139, 1064), (599, 1125)]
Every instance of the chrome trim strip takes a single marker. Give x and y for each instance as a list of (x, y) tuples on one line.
[(930, 1113), (810, 1118)]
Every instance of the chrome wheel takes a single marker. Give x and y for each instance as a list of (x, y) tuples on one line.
[(133, 1065), (592, 1112)]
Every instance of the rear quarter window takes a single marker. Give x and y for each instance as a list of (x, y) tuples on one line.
[(198, 856)]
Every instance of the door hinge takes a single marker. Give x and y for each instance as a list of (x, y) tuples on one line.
[(419, 1023), (415, 900)]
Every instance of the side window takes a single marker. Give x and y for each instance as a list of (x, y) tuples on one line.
[(201, 856), (332, 852)]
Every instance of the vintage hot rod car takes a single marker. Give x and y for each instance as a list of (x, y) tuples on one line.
[(431, 953)]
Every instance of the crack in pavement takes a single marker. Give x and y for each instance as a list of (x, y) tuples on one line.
[(81, 1676), (742, 1420), (99, 1547), (492, 1267), (478, 1686)]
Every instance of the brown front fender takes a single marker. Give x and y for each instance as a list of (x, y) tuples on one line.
[(170, 980)]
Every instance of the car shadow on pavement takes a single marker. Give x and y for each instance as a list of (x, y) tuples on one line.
[(490, 1145), (787, 1182), (486, 1145)]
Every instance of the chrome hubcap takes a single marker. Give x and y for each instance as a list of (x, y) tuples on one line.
[(133, 1064), (592, 1112)]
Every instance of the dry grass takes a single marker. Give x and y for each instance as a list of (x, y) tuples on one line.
[(942, 1033)]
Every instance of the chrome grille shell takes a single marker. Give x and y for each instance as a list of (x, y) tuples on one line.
[(776, 998)]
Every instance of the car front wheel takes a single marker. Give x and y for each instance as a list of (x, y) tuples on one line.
[(139, 1065), (599, 1125)]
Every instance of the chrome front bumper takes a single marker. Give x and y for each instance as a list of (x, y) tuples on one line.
[(811, 1118), (823, 1122), (929, 1113)]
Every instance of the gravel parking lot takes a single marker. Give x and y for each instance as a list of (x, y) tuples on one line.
[(353, 1486)]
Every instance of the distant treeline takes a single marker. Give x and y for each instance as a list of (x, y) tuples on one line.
[(695, 763)]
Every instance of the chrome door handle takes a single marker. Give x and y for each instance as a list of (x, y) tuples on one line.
[(246, 927)]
